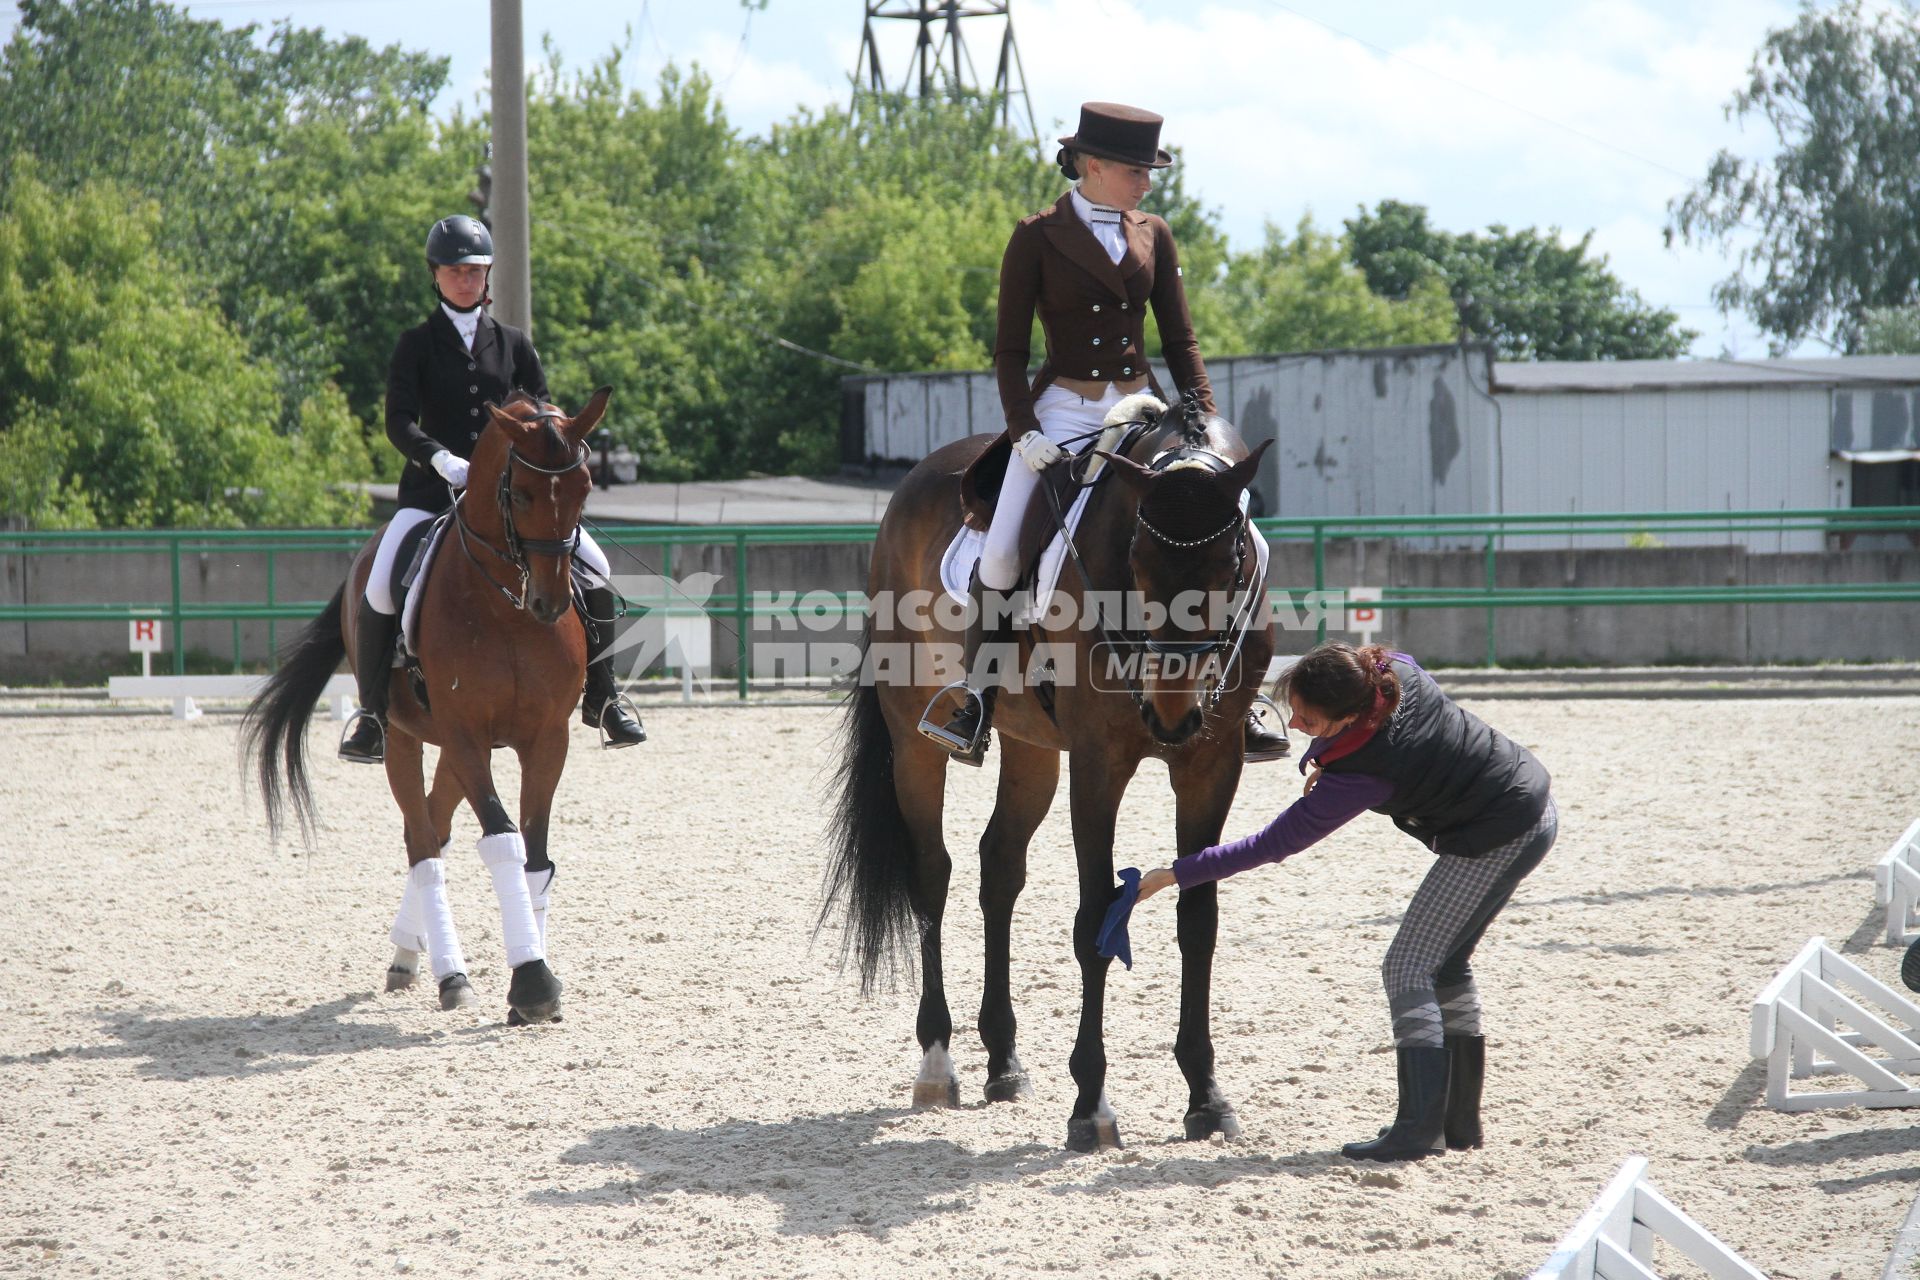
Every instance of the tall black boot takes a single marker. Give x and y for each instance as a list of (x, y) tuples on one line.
[(1467, 1071), (601, 706), (1265, 741), (964, 734), (373, 635), (1419, 1125)]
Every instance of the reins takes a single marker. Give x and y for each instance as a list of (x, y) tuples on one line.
[(518, 547)]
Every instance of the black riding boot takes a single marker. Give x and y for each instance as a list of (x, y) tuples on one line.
[(964, 734), (1419, 1125), (1263, 742), (366, 738), (1467, 1068), (602, 707)]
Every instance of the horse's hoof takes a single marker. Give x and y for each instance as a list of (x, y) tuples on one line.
[(1093, 1133), (1009, 1086), (515, 1020), (534, 993), (932, 1095), (1204, 1122), (400, 979), (455, 991)]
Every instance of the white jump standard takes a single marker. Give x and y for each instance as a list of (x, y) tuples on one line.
[(1804, 1025)]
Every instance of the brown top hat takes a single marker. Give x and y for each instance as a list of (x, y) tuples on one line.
[(1114, 132)]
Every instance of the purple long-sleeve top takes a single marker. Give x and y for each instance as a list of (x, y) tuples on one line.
[(1336, 799)]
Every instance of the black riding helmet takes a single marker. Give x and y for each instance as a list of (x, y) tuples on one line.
[(459, 240)]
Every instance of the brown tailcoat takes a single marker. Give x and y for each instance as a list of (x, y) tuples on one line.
[(1093, 312)]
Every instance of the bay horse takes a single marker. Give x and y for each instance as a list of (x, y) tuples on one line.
[(502, 653), (1170, 522)]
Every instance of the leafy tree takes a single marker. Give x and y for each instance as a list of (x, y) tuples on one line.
[(1825, 229), (291, 170), (1301, 293), (125, 401), (1533, 297), (1889, 331)]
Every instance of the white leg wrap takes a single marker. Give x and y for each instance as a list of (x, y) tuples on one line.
[(409, 932), (539, 888), (428, 879), (506, 859)]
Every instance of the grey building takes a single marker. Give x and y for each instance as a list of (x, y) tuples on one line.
[(1449, 430)]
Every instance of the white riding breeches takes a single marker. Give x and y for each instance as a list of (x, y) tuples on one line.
[(1071, 421), (380, 580)]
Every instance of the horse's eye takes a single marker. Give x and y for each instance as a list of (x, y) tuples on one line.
[(520, 500)]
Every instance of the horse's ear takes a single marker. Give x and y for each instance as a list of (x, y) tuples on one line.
[(1136, 478), (1237, 477), (589, 418)]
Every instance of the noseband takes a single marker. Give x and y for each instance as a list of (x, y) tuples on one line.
[(518, 547)]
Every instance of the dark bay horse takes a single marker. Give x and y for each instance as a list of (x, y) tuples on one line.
[(503, 655), (1169, 522)]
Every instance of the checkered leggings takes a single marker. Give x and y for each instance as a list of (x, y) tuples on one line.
[(1429, 981)]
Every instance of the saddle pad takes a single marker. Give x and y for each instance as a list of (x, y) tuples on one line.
[(963, 553), (415, 575)]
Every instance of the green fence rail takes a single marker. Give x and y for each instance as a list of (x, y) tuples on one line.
[(1491, 534)]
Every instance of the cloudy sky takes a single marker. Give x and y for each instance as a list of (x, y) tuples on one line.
[(1586, 115)]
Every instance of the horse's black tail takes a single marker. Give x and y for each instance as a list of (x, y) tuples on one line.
[(871, 864), (275, 725)]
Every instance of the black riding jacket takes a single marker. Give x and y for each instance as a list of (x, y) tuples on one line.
[(437, 393)]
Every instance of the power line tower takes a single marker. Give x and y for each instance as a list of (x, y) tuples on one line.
[(940, 63)]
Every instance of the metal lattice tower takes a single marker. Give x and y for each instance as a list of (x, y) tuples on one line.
[(940, 63)]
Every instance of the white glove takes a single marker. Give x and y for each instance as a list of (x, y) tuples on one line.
[(452, 468), (1037, 451)]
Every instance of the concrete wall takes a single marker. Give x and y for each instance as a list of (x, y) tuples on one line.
[(1592, 635)]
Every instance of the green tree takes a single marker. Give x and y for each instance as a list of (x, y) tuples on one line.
[(125, 401), (1824, 229), (1530, 295), (1889, 331), (296, 173), (1301, 293)]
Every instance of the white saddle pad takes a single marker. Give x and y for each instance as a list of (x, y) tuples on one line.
[(963, 553), (410, 612)]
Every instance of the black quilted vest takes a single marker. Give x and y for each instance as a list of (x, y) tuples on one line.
[(1459, 787)]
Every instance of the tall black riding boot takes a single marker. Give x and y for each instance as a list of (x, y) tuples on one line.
[(964, 734), (1265, 741), (602, 707), (1467, 1068), (373, 635), (1419, 1125)]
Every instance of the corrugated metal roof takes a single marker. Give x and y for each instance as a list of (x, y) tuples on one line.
[(1642, 375)]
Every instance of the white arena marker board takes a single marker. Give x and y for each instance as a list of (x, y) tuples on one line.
[(1896, 886), (1805, 1025), (183, 690), (1614, 1239)]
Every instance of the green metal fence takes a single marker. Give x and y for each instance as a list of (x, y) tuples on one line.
[(1491, 534)]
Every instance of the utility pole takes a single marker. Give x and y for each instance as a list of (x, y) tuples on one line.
[(512, 265), (940, 63)]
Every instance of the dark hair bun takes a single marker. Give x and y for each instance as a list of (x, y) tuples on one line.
[(1068, 166)]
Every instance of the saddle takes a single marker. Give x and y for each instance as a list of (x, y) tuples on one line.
[(410, 564), (1042, 545)]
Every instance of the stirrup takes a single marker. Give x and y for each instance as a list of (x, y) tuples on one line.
[(1256, 720), (379, 724), (618, 701), (966, 751)]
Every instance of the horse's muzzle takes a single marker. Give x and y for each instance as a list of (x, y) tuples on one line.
[(1189, 725)]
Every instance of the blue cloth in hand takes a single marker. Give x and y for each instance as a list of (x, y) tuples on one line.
[(1113, 939)]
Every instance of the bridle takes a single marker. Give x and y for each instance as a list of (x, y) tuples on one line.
[(1231, 639), (518, 547)]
